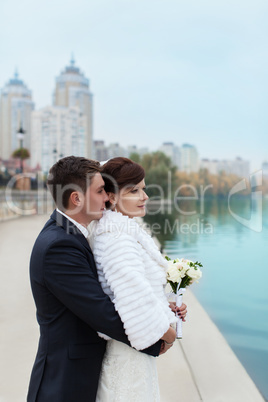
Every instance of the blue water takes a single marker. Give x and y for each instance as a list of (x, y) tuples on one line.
[(234, 287)]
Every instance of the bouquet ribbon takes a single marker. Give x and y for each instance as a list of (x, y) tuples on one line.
[(179, 295)]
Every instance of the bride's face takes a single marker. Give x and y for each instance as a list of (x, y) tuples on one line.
[(131, 200)]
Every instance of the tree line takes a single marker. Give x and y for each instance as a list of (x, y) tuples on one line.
[(161, 172)]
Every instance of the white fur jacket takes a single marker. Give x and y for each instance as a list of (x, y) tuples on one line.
[(132, 272)]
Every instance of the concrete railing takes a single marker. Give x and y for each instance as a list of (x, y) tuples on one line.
[(16, 203)]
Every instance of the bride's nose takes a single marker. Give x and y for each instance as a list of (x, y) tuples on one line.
[(144, 196)]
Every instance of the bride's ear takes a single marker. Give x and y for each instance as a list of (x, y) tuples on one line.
[(112, 197)]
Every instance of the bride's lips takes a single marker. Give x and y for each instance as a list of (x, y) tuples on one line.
[(141, 206)]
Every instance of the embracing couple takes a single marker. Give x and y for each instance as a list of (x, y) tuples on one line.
[(98, 283)]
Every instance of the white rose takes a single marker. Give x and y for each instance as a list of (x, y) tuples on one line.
[(174, 272), (182, 267), (194, 273)]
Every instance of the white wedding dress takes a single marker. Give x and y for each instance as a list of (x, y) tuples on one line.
[(132, 272), (127, 375)]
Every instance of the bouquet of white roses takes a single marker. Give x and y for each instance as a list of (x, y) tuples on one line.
[(182, 273)]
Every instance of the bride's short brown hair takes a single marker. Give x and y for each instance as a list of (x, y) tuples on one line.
[(121, 172)]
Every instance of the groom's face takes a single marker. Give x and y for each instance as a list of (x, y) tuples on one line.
[(95, 198)]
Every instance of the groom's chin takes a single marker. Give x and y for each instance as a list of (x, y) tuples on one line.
[(98, 215)]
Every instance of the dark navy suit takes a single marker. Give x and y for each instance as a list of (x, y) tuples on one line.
[(71, 307)]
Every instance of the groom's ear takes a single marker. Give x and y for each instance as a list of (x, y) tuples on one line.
[(75, 199)]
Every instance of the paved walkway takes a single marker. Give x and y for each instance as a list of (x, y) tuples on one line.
[(200, 367)]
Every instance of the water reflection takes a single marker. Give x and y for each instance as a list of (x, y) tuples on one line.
[(234, 258), (212, 217)]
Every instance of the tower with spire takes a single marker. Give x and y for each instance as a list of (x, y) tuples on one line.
[(16, 106), (73, 89)]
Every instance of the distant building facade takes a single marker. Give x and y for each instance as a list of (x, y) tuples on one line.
[(264, 167), (173, 152), (104, 152), (211, 165), (16, 106), (115, 149), (133, 149), (238, 166), (189, 161), (72, 89), (100, 151), (59, 132)]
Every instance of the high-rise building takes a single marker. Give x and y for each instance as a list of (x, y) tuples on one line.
[(115, 149), (238, 166), (72, 89), (16, 106), (172, 151), (59, 132), (133, 149), (210, 165), (189, 158), (264, 167), (100, 151)]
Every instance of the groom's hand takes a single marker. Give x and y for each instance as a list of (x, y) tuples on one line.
[(168, 339), (164, 348)]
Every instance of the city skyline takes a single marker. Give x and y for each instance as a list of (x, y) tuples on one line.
[(158, 72), (61, 129)]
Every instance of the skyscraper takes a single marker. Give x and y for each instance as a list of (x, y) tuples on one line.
[(172, 151), (16, 106), (189, 158), (59, 131), (72, 89)]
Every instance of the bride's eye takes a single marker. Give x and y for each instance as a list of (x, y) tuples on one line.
[(135, 190)]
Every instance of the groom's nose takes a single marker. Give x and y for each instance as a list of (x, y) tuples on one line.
[(106, 198)]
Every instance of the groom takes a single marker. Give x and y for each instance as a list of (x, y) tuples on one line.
[(71, 305)]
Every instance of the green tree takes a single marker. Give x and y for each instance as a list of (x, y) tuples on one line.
[(21, 153), (135, 157), (160, 174)]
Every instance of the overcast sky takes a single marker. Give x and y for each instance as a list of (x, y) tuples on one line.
[(171, 70)]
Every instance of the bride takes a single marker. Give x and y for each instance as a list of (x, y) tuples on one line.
[(131, 270)]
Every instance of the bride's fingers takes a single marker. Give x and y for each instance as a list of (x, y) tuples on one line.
[(172, 305), (181, 311)]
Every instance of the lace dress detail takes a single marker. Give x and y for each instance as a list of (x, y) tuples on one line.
[(127, 375)]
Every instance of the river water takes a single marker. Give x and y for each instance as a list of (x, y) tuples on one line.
[(231, 242)]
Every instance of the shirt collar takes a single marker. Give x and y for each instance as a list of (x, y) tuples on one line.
[(82, 228)]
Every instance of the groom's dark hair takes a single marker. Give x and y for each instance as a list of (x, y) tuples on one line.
[(69, 174)]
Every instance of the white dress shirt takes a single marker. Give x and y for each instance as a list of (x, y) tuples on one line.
[(78, 225)]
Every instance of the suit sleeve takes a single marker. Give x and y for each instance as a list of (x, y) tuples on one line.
[(69, 277)]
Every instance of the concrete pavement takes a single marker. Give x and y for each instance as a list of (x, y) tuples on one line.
[(202, 366)]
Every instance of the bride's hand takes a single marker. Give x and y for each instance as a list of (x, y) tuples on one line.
[(182, 311)]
